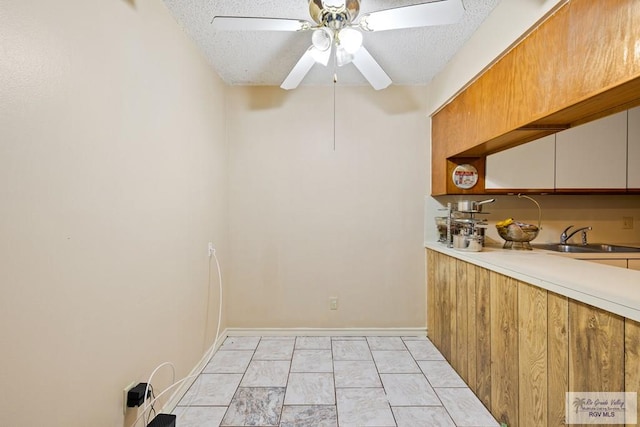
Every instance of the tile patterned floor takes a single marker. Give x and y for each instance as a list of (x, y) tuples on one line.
[(330, 382)]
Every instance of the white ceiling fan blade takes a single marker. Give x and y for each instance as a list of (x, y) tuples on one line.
[(420, 15), (299, 70), (239, 23), (370, 69)]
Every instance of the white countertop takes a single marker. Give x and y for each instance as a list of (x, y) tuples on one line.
[(613, 289)]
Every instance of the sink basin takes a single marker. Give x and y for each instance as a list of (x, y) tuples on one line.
[(557, 247), (590, 248), (603, 247)]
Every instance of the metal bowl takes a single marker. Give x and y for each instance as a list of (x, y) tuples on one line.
[(518, 232)]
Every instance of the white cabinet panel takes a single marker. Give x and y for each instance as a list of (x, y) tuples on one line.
[(593, 155), (633, 158), (527, 166)]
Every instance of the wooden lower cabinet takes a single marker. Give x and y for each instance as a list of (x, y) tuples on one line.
[(504, 348), (520, 348)]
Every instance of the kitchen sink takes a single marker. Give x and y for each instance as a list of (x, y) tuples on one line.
[(589, 248), (603, 247), (557, 247)]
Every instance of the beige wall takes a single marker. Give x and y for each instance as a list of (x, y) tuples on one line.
[(113, 178), (603, 213), (308, 223)]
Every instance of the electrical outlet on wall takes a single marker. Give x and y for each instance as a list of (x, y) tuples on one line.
[(333, 303), (627, 222)]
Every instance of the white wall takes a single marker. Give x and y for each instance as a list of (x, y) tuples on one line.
[(113, 178), (308, 223)]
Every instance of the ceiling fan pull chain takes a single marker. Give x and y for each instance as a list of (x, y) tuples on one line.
[(335, 78)]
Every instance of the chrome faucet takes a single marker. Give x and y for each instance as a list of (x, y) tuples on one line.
[(564, 238)]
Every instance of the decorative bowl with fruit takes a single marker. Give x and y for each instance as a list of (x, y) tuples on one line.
[(518, 235), (519, 232)]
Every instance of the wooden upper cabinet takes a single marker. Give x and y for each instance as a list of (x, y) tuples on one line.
[(633, 147), (579, 65), (593, 155), (527, 166)]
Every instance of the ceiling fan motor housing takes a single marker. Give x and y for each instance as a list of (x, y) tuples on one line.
[(334, 14)]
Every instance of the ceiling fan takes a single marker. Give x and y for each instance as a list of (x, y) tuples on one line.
[(335, 30)]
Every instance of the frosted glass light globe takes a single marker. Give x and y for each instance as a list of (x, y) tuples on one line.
[(350, 39)]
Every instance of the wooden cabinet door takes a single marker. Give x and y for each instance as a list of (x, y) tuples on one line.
[(527, 166), (593, 155), (633, 264), (633, 156), (614, 262), (596, 349)]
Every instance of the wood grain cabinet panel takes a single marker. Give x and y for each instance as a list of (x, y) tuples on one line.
[(504, 349), (575, 67), (632, 358), (557, 357), (483, 336), (532, 355), (471, 338), (451, 308), (431, 306), (440, 287), (461, 359), (596, 349), (525, 347)]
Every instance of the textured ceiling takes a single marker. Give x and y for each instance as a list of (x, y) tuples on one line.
[(409, 56)]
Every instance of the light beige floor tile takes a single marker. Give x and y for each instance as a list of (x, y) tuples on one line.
[(274, 350), (435, 416), (395, 362), (310, 389), (309, 416), (465, 408), (348, 338), (240, 343), (278, 337), (360, 407), (260, 406), (386, 343), (266, 373), (441, 374), (423, 350), (313, 343), (229, 362), (312, 361), (212, 390), (351, 350), (356, 374), (415, 338), (409, 390), (199, 416)]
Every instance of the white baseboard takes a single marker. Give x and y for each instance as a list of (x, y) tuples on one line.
[(320, 332), (180, 391)]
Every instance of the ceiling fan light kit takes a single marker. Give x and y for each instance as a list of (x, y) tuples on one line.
[(350, 39), (335, 26)]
